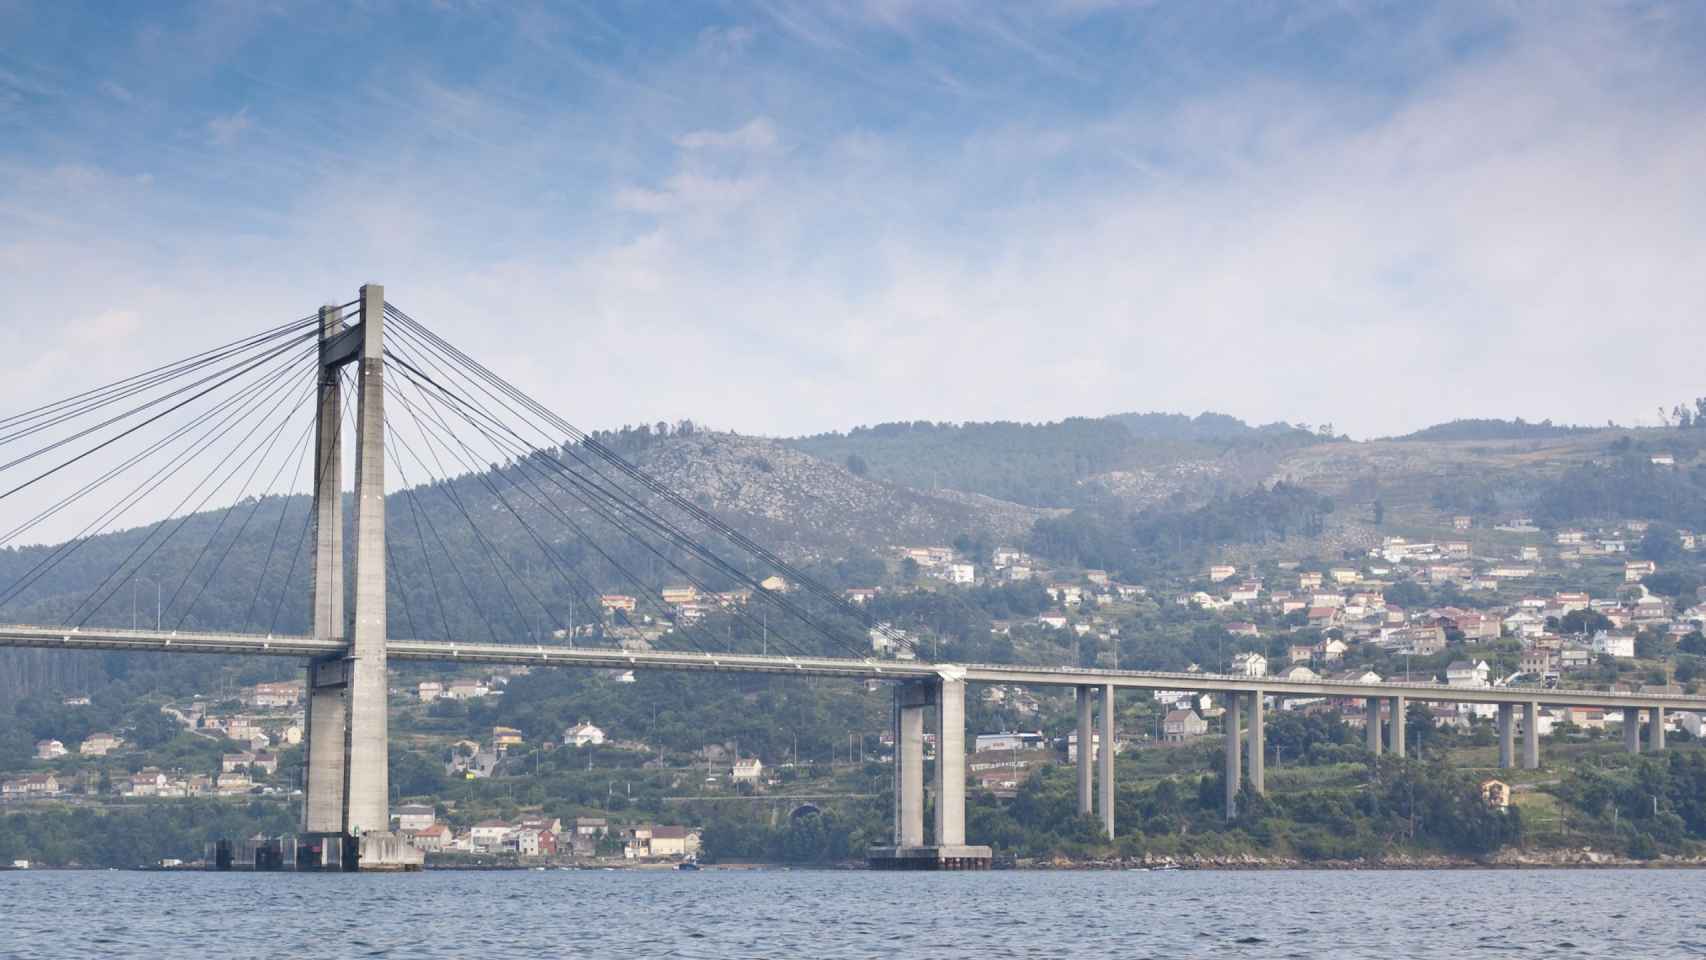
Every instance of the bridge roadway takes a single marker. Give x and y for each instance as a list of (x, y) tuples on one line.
[(61, 638)]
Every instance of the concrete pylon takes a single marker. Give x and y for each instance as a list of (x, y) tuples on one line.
[(1531, 736), (950, 762), (1507, 736), (327, 710), (1656, 732), (1234, 766), (909, 702), (1371, 725), (1086, 753), (368, 780), (1632, 729), (1257, 759), (1398, 706), (1105, 760)]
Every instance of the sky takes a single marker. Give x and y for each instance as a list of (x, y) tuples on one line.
[(785, 217)]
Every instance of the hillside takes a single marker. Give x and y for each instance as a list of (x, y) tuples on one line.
[(1130, 458)]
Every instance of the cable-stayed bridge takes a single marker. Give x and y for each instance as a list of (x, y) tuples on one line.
[(242, 425)]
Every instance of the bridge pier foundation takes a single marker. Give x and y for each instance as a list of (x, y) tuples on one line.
[(1656, 731), (1507, 736), (1631, 729)]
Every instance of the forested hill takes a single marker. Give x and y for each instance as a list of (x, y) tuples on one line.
[(1066, 463)]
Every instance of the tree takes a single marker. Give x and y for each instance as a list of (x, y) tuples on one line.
[(1379, 513), (1660, 543), (856, 465)]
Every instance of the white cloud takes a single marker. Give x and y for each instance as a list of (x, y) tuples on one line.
[(223, 131), (755, 136)]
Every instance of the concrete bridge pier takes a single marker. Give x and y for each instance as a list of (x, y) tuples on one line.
[(1105, 760), (1086, 735), (1371, 724), (1507, 736), (948, 849), (1656, 732), (1234, 766), (1531, 736), (1255, 733), (1632, 729), (1397, 732)]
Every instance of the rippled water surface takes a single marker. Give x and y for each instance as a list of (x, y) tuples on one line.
[(827, 915)]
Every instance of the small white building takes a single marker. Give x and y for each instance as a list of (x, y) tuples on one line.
[(583, 734), (749, 770), (1250, 665), (50, 750)]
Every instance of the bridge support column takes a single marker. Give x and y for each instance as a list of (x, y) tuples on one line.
[(1632, 729), (1398, 705), (1105, 760), (1531, 736), (1656, 732), (1507, 736), (1258, 780), (1086, 736), (1234, 771), (1371, 711), (326, 713), (948, 851), (368, 782), (910, 700), (951, 763)]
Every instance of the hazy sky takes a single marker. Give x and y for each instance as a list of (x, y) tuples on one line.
[(784, 217)]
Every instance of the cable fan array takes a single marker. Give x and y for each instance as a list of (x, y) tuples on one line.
[(506, 522)]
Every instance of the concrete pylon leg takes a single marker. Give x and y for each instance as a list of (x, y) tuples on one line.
[(1105, 760), (1531, 736), (1258, 779), (1398, 706), (909, 766), (951, 763), (368, 779), (1632, 729), (1507, 736), (1371, 711), (1086, 736), (327, 709), (1656, 732), (1234, 741)]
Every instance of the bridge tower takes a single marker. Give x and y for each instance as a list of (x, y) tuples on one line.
[(346, 799)]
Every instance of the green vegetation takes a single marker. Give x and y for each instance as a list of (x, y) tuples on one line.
[(1493, 429)]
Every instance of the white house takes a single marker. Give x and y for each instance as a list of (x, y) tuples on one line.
[(1250, 665), (50, 749), (961, 573), (749, 770), (583, 734), (1620, 645), (414, 816), (1463, 673)]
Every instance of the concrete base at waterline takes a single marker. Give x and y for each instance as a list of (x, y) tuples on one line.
[(382, 850), (929, 858)]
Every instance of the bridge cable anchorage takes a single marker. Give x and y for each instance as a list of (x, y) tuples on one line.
[(522, 466), (227, 416), (589, 492), (838, 602)]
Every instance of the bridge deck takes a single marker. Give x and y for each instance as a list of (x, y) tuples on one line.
[(60, 638)]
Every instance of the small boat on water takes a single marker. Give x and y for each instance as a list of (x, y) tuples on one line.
[(687, 865)]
